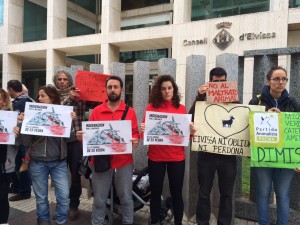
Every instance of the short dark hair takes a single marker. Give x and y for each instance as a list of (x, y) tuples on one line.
[(156, 96), (271, 71), (217, 71), (15, 85), (52, 92), (114, 78)]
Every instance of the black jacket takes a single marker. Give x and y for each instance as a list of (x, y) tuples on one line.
[(288, 105)]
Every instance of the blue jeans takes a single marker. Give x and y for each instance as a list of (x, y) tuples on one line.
[(39, 175), (281, 179)]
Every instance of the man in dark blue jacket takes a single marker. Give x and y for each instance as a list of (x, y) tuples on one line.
[(21, 183)]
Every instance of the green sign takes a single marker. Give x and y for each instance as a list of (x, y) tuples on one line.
[(275, 139)]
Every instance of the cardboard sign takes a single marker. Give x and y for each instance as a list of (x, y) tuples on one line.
[(91, 85), (275, 140), (167, 129), (223, 128), (107, 137), (222, 92), (47, 120), (7, 123)]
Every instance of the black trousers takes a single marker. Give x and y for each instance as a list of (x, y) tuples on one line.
[(74, 159), (208, 164), (4, 205), (175, 172)]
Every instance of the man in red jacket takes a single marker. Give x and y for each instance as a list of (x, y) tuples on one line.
[(121, 164)]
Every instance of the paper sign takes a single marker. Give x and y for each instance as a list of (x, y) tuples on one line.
[(167, 129), (275, 140), (107, 137), (91, 85), (223, 128), (47, 120), (222, 92), (7, 123)]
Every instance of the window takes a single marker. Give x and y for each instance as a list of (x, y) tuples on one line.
[(35, 22), (136, 4), (294, 3), (207, 9), (76, 29), (148, 55), (1, 12)]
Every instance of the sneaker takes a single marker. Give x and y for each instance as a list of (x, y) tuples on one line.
[(73, 214), (18, 197)]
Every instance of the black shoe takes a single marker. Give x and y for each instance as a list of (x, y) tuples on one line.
[(18, 197)]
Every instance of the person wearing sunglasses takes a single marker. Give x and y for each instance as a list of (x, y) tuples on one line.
[(275, 98), (209, 163)]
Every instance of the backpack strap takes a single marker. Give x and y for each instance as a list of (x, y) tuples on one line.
[(125, 113)]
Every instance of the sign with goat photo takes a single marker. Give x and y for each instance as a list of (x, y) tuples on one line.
[(167, 129), (275, 139), (107, 137), (47, 120), (8, 120), (223, 128)]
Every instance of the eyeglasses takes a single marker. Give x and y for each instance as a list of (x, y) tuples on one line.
[(218, 80), (278, 79)]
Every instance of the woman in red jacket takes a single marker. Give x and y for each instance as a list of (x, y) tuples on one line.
[(161, 158)]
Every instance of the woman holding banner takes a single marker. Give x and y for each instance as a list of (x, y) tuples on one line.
[(161, 158), (275, 98), (48, 157), (5, 175)]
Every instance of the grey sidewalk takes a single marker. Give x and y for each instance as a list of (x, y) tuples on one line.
[(23, 213)]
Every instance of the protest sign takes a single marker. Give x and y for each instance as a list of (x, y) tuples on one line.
[(102, 138), (7, 123), (222, 92), (275, 139), (91, 85), (47, 120), (167, 129), (223, 128)]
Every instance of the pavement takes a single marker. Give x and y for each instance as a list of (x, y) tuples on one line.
[(24, 212)]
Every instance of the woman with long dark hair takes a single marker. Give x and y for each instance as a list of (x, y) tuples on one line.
[(161, 158), (48, 157)]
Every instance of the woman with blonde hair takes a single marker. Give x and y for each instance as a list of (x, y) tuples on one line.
[(5, 175)]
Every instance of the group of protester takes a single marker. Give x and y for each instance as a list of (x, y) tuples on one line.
[(52, 155)]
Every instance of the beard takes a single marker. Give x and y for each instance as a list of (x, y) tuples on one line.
[(114, 97)]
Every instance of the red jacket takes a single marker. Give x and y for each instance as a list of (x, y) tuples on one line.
[(103, 113), (166, 153)]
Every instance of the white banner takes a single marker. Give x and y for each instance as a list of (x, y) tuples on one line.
[(167, 129), (107, 137), (47, 120), (8, 120)]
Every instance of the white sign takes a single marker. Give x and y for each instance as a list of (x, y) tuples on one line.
[(223, 128), (167, 129), (47, 120), (7, 123), (107, 137)]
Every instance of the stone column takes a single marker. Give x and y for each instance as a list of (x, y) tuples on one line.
[(56, 19), (167, 66), (195, 77), (295, 92), (12, 69), (118, 69), (141, 71), (74, 69), (96, 68), (109, 54), (182, 11), (248, 79), (54, 60), (13, 21)]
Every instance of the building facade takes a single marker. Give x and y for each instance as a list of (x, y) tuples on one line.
[(37, 35)]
